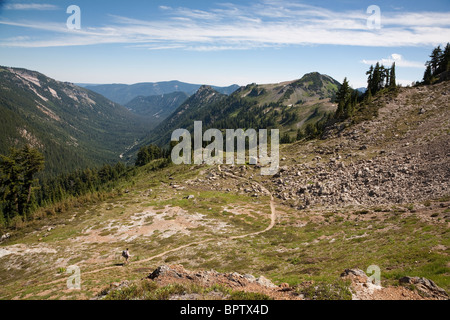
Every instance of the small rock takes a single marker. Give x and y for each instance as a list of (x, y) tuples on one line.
[(250, 278), (354, 273), (263, 281), (5, 236), (164, 271), (284, 286)]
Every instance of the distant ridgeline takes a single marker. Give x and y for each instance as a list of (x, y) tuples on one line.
[(124, 94), (288, 106)]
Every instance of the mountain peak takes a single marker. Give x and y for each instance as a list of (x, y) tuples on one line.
[(315, 76), (205, 88), (205, 93)]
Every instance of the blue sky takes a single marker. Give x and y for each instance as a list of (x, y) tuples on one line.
[(220, 42)]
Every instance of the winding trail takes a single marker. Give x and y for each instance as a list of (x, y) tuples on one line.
[(273, 217), (273, 214)]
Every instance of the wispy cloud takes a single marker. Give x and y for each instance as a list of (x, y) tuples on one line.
[(399, 62), (266, 23), (30, 6)]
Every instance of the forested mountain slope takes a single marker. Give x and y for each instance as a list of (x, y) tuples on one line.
[(157, 108), (288, 106), (72, 126)]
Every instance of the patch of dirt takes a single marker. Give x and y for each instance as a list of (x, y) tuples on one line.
[(240, 211), (21, 249), (170, 221)]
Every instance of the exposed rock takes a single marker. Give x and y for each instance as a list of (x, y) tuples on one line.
[(354, 273), (5, 236), (391, 178), (164, 271), (251, 278), (363, 289), (165, 275), (265, 282), (285, 286), (426, 287), (119, 285)]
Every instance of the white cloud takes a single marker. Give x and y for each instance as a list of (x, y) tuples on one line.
[(260, 24), (399, 62), (30, 6), (405, 83)]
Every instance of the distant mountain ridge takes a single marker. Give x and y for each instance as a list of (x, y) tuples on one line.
[(72, 126), (288, 106), (157, 108), (123, 93)]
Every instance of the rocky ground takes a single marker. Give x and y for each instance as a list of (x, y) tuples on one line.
[(400, 157), (410, 288), (361, 287)]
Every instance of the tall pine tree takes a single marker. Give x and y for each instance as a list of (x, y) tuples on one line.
[(392, 77), (445, 60), (435, 61), (345, 100), (428, 75), (17, 172)]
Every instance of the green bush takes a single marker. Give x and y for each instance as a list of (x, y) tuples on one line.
[(337, 290)]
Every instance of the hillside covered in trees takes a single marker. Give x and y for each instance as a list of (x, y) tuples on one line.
[(288, 106), (71, 126)]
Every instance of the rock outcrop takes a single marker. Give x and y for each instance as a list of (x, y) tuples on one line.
[(419, 288), (425, 287)]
